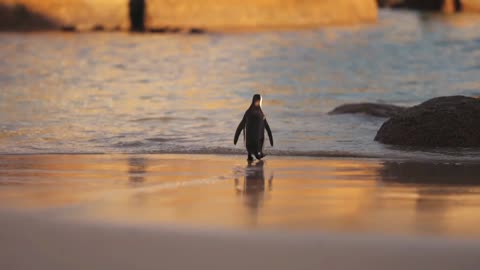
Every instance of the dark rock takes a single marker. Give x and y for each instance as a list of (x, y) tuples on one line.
[(391, 3), (452, 121), (19, 18), (68, 28), (197, 31), (175, 30), (158, 30), (98, 28), (423, 5), (431, 5), (373, 109), (163, 30)]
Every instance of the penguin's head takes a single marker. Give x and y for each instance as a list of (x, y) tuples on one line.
[(257, 100)]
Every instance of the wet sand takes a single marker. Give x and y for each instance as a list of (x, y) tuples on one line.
[(290, 193), (209, 211)]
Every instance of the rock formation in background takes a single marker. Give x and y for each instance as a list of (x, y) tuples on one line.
[(78, 14), (204, 14), (447, 6), (427, 5), (20, 18), (372, 109), (452, 121)]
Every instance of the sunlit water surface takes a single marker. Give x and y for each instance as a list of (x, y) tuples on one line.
[(134, 93)]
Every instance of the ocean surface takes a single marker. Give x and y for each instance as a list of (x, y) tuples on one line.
[(170, 93)]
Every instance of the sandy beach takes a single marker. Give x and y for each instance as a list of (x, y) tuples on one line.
[(34, 242), (210, 211)]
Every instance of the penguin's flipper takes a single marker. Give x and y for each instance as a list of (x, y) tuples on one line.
[(240, 127), (269, 131)]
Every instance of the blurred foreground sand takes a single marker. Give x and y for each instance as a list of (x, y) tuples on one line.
[(40, 242)]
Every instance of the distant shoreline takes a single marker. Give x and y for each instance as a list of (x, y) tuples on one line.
[(188, 30), (163, 15)]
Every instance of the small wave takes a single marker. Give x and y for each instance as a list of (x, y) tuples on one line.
[(143, 81), (128, 144), (160, 119), (472, 67), (160, 139), (282, 153), (168, 119), (430, 157), (139, 147), (120, 66)]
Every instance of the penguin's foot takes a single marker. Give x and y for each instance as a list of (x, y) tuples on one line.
[(260, 155)]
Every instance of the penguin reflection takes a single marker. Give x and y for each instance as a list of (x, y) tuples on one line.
[(254, 186), (136, 169)]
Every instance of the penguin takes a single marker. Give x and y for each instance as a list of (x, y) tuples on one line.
[(254, 124)]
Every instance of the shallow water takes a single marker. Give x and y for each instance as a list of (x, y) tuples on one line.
[(307, 194), (118, 92)]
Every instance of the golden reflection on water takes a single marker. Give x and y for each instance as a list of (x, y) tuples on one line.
[(280, 193)]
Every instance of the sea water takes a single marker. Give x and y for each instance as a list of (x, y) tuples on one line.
[(164, 93)]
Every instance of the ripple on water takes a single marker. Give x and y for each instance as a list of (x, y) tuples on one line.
[(128, 144), (156, 119), (162, 139)]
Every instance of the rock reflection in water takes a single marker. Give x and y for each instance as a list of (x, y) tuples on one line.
[(416, 172), (440, 188)]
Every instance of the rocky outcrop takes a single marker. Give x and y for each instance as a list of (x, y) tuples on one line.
[(80, 14), (391, 3), (373, 109), (413, 4), (452, 121), (20, 18), (447, 6), (218, 15)]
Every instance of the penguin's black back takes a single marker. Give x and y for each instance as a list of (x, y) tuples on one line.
[(254, 129)]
